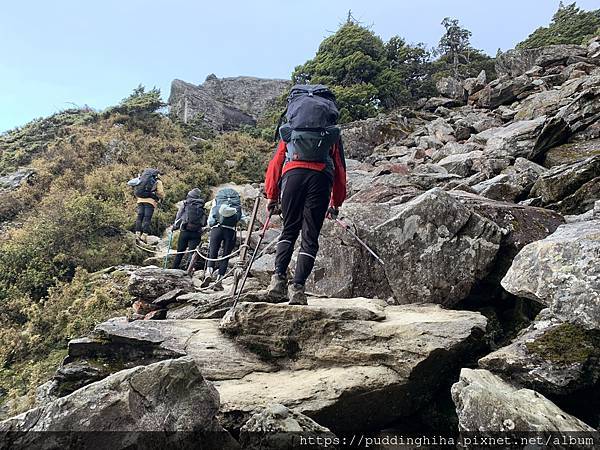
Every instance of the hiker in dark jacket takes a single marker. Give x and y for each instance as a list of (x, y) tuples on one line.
[(308, 191), (223, 220), (149, 192), (190, 221)]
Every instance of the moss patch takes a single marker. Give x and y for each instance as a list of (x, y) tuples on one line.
[(567, 344), (18, 383), (571, 153)]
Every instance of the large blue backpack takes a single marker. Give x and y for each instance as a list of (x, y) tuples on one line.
[(310, 130), (228, 207)]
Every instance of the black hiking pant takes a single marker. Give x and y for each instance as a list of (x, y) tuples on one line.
[(305, 197), (220, 236), (188, 240), (144, 217)]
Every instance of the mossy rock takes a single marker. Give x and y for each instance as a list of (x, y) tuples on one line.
[(567, 344), (571, 153)]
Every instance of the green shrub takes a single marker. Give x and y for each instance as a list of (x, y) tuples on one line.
[(30, 354), (19, 146), (369, 75), (75, 214), (569, 25)]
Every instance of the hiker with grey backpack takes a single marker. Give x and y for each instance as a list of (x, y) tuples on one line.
[(225, 213), (306, 180), (190, 221)]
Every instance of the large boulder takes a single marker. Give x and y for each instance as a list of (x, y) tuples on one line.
[(571, 152), (340, 357), (514, 140), (434, 248), (433, 103), (461, 163), (329, 360), (524, 173), (165, 398), (502, 91), (520, 224), (441, 130), (514, 183), (487, 404), (361, 137), (571, 189), (454, 148), (562, 272), (516, 62), (576, 116), (499, 187), (451, 88), (226, 103), (149, 283), (345, 269), (545, 103), (551, 357), (279, 428), (475, 84)]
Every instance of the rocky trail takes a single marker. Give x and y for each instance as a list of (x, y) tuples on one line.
[(484, 204)]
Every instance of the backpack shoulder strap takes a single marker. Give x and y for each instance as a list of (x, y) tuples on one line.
[(279, 122)]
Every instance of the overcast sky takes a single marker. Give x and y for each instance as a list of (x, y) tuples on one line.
[(54, 54)]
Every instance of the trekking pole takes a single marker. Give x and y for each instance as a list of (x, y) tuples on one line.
[(238, 270), (168, 248), (361, 242), (261, 236)]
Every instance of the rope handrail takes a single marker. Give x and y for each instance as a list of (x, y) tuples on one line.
[(191, 251)]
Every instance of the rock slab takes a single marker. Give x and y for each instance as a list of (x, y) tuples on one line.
[(169, 396)]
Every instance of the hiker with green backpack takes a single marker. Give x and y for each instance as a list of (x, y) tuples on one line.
[(306, 180), (190, 221), (225, 213)]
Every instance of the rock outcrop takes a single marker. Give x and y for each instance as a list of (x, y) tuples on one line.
[(15, 179), (487, 404), (226, 103), (562, 272), (326, 361), (279, 428), (517, 62), (150, 283), (570, 188), (168, 397), (419, 242), (551, 357)]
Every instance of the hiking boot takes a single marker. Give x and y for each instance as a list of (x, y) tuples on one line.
[(144, 238), (218, 286), (138, 235), (296, 294), (208, 278), (278, 288)]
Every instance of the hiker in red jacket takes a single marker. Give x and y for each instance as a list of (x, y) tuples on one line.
[(306, 192)]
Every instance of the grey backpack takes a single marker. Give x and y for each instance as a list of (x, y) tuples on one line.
[(310, 130)]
